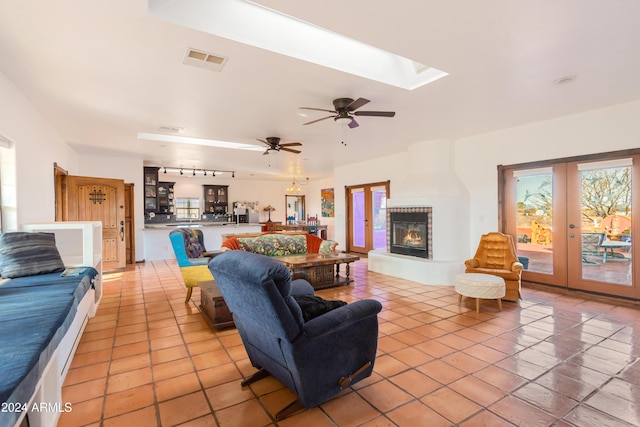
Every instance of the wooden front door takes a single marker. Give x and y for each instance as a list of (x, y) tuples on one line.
[(100, 199)]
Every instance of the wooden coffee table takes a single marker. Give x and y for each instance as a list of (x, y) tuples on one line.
[(318, 269)]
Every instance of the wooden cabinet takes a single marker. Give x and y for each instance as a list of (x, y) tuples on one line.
[(150, 189), (166, 201), (216, 199)]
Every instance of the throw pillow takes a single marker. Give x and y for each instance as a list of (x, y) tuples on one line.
[(28, 254), (313, 306)]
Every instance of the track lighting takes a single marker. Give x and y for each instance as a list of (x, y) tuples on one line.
[(205, 173), (194, 172), (233, 174), (213, 173), (181, 172), (165, 170)]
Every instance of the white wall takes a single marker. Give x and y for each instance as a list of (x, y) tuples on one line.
[(37, 147), (477, 158)]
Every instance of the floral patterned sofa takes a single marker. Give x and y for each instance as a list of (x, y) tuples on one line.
[(280, 244)]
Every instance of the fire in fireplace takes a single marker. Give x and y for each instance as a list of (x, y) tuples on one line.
[(409, 230)]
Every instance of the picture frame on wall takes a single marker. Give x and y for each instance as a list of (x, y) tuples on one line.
[(327, 202)]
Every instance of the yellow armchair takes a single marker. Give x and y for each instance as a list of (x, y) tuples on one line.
[(496, 255)]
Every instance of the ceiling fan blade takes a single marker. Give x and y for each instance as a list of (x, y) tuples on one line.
[(291, 144), (317, 109), (353, 124), (314, 121), (291, 150), (265, 153), (375, 113), (357, 104), (262, 140)]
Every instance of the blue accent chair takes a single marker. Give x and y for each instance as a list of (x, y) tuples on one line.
[(192, 257), (314, 359)]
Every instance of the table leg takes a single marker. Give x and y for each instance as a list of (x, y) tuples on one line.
[(337, 270), (500, 303), (347, 272)]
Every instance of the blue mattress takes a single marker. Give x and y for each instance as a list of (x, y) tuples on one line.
[(35, 314)]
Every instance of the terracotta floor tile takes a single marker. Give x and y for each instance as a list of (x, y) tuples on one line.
[(172, 369), (388, 344), (434, 348), (128, 400), (464, 362), (85, 391), (219, 375), (548, 400), (249, 413), (522, 413), (91, 358), (441, 371), (450, 404), (521, 367), (385, 396), (184, 408), (350, 410), (477, 390), (388, 366), (130, 349), (169, 354), (177, 386), (411, 356), (82, 413), (417, 414), (129, 363), (145, 417), (500, 378), (486, 419), (611, 404), (585, 416), (130, 379), (566, 386), (415, 383), (313, 417), (87, 373), (228, 394)]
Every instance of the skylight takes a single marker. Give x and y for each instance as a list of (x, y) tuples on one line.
[(249, 23), (198, 141)]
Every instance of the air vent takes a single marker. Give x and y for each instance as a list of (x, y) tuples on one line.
[(210, 61)]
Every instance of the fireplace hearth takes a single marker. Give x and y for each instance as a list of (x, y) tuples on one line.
[(409, 231)]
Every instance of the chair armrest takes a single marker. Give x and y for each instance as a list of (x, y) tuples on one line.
[(345, 314), (472, 263), (517, 267)]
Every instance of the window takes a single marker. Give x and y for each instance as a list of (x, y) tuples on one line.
[(187, 208)]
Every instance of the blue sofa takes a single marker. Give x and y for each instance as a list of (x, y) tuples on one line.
[(314, 358)]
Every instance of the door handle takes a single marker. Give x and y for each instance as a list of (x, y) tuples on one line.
[(572, 235), (572, 226), (122, 234)]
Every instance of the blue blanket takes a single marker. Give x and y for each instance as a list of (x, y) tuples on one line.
[(35, 314)]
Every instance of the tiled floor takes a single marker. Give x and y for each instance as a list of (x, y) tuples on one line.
[(147, 359)]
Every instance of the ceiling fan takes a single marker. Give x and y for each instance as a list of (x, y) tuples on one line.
[(274, 145), (344, 108)]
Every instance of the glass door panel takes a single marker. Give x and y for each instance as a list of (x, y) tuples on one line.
[(379, 215), (534, 217), (358, 231), (603, 233)]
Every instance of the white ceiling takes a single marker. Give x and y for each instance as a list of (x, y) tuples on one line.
[(102, 71)]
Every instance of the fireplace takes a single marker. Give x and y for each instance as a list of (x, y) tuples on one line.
[(409, 231)]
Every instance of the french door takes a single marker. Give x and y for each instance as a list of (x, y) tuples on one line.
[(573, 221), (367, 220)]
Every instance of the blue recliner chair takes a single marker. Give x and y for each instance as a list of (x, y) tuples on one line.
[(315, 359)]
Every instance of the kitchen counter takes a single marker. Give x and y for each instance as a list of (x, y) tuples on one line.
[(157, 245)]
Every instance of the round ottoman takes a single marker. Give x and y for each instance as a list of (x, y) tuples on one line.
[(478, 285)]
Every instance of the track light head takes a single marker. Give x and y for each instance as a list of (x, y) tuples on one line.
[(181, 172)]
